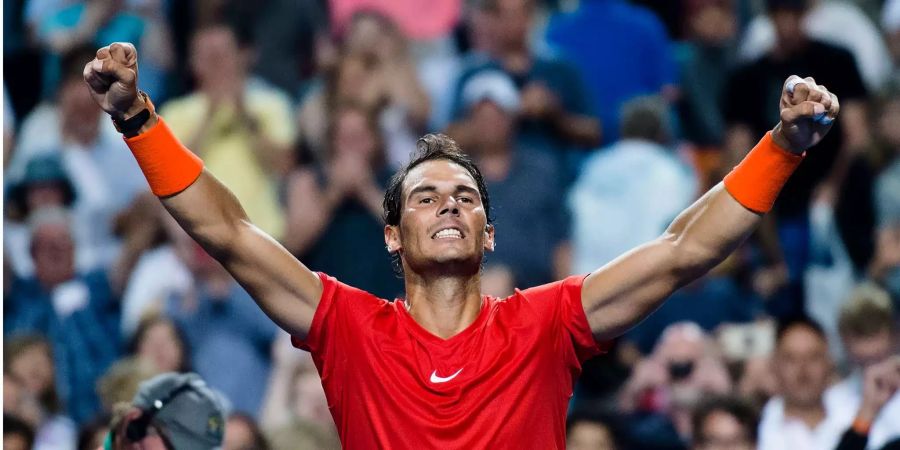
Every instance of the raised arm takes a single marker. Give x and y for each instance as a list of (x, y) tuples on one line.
[(284, 288), (620, 294)]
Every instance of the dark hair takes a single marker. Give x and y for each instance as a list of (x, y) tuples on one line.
[(259, 439), (738, 408), (431, 147), (805, 322), (73, 61), (789, 5), (15, 425), (149, 322)]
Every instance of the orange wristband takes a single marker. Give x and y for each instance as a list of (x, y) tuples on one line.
[(168, 165), (757, 180)]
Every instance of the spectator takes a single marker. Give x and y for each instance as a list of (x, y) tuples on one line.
[(295, 413), (802, 416), (89, 23), (334, 209), (630, 190), (29, 361), (586, 431), (885, 265), (223, 325), (242, 433), (890, 24), (534, 244), (76, 310), (102, 172), (880, 386), (869, 333), (724, 423), (376, 70), (555, 114), (839, 23), (120, 382), (160, 342), (17, 434), (169, 411), (601, 31), (749, 112), (243, 131), (683, 368)]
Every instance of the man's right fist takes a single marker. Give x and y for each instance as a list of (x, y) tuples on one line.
[(112, 78)]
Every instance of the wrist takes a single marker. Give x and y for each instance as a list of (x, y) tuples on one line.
[(131, 123), (782, 142)]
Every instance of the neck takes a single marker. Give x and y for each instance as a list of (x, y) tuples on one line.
[(811, 415), (443, 304), (516, 59)]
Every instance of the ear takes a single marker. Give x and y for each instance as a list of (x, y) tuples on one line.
[(489, 238), (392, 238)]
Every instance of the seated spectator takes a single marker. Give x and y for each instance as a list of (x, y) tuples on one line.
[(242, 433), (601, 31), (869, 333), (223, 324), (802, 417), (533, 245), (630, 191), (587, 431), (17, 434), (76, 310), (684, 367), (243, 131), (159, 341), (28, 361), (555, 113), (724, 423), (334, 208)]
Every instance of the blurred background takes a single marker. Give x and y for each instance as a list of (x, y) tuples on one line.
[(595, 122)]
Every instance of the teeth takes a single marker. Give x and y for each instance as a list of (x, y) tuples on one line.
[(448, 232)]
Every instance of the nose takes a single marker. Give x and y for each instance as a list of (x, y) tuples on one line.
[(450, 206)]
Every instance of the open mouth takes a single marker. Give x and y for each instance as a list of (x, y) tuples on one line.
[(448, 233)]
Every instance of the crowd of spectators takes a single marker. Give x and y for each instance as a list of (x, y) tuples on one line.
[(595, 123)]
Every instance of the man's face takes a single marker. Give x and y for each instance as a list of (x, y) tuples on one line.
[(217, 60), (513, 21), (53, 253), (788, 27), (722, 431), (864, 351), (802, 367), (493, 127), (443, 225), (44, 194)]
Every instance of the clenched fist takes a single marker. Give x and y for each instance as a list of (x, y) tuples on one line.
[(112, 78), (807, 112)]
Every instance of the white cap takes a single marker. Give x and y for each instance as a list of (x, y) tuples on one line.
[(494, 86)]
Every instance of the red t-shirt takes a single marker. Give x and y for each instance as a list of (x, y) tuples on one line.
[(503, 382)]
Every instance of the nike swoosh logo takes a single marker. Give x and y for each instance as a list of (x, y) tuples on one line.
[(436, 379)]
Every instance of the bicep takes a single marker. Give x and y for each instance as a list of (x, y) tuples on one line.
[(621, 293)]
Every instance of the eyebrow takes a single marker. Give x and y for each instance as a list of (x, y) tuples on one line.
[(432, 188)]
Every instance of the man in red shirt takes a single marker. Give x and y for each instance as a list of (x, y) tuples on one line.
[(447, 367)]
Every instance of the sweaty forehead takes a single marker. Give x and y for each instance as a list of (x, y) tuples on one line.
[(441, 174)]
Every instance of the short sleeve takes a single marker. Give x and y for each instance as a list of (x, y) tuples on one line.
[(565, 297), (340, 308)]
